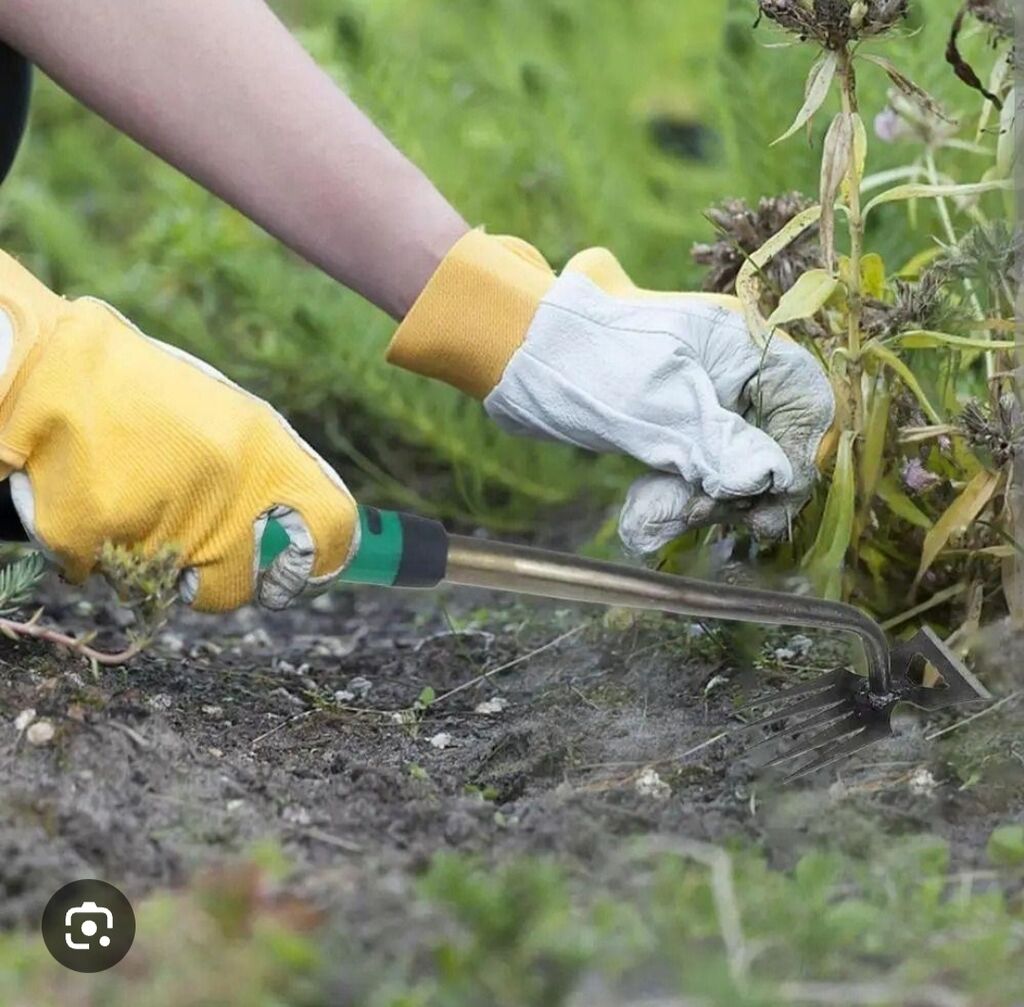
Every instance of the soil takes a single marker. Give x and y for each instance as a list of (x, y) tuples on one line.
[(288, 726)]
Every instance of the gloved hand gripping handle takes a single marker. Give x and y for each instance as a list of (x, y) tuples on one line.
[(395, 549)]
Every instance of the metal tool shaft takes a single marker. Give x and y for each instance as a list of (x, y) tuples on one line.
[(524, 570)]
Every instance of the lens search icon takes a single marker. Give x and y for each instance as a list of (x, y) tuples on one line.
[(88, 926)]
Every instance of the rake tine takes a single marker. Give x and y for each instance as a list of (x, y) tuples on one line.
[(836, 732), (820, 684), (830, 699), (869, 734), (821, 719)]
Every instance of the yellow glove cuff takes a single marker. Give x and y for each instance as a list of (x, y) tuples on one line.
[(473, 314)]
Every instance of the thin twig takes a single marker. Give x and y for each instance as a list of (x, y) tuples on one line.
[(509, 664), (282, 726), (976, 716)]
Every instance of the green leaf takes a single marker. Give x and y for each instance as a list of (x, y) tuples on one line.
[(921, 191), (923, 339), (901, 505), (890, 360), (957, 517), (872, 455), (805, 298), (819, 80), (824, 561)]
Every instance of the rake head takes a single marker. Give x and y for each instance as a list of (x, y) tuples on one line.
[(842, 716)]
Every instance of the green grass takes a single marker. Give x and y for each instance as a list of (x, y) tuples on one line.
[(715, 927)]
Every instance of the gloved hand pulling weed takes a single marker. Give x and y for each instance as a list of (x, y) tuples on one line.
[(731, 430)]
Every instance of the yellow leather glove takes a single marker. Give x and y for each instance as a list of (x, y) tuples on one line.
[(112, 436), (731, 431)]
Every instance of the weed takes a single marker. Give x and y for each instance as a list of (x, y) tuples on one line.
[(921, 358)]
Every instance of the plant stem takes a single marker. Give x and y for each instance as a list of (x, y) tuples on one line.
[(855, 297), (14, 629)]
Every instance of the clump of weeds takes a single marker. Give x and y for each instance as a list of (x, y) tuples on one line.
[(920, 512)]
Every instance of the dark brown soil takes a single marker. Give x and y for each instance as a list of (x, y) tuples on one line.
[(231, 731)]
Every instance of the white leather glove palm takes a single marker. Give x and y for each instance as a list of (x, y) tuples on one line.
[(732, 430)]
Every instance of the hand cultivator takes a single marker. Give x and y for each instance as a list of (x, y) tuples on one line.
[(843, 712)]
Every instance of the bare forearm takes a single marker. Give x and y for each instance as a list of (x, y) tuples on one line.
[(223, 91)]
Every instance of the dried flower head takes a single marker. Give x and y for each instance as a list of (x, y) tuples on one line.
[(989, 255), (993, 432), (833, 24), (996, 13), (920, 304), (743, 230)]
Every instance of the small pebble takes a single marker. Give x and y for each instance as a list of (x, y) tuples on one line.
[(24, 719), (160, 701), (173, 643), (441, 740), (344, 696), (491, 706), (323, 602), (259, 637), (922, 783), (40, 733), (296, 815), (360, 686), (650, 784), (214, 711), (216, 752)]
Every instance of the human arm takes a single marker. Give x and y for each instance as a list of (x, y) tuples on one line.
[(225, 93)]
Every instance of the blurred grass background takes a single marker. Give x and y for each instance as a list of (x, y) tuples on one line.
[(568, 123)]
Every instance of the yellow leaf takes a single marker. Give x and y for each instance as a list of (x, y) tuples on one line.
[(923, 339), (872, 275), (748, 286), (819, 80), (957, 517), (805, 298), (859, 158), (921, 191)]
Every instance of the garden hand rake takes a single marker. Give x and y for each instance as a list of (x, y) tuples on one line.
[(846, 711)]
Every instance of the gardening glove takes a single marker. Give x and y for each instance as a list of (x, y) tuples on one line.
[(113, 436), (732, 431)]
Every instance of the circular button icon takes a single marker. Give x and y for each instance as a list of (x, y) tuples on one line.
[(88, 926)]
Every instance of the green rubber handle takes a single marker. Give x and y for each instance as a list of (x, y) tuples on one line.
[(395, 549)]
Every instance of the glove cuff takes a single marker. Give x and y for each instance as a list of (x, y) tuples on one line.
[(474, 312), (32, 310)]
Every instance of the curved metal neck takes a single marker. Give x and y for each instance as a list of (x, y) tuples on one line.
[(503, 567)]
